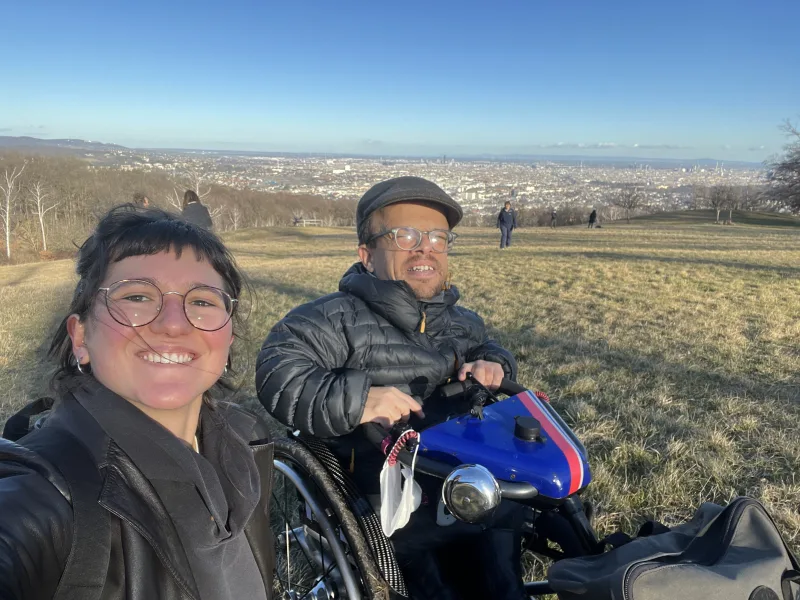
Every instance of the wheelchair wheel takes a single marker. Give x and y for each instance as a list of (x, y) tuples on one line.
[(320, 551)]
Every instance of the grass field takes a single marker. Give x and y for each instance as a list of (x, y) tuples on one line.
[(671, 345)]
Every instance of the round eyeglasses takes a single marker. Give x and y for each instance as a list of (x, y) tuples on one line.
[(135, 303), (410, 238)]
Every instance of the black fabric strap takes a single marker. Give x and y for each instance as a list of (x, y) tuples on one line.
[(19, 424), (789, 577), (652, 528), (87, 565), (616, 539)]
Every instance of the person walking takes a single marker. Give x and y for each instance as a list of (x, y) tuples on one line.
[(592, 218), (507, 222), (553, 217), (195, 212)]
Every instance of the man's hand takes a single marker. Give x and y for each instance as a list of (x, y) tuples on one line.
[(388, 405), (489, 374)]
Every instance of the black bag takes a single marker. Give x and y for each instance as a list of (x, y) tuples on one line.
[(731, 553), (87, 564)]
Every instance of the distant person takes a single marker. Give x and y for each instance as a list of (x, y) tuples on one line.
[(140, 200), (195, 212), (507, 222), (553, 217), (592, 218)]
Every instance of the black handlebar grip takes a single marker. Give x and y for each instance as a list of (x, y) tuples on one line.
[(511, 388), (375, 433), (455, 388)]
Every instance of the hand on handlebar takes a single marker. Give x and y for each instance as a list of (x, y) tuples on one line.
[(488, 374), (388, 405)]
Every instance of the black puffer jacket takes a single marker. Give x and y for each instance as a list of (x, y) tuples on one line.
[(316, 366)]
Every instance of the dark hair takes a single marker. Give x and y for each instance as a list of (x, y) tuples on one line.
[(127, 231), (366, 230), (190, 196)]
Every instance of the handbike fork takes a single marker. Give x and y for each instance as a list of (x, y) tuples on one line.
[(574, 511)]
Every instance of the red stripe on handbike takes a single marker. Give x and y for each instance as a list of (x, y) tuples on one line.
[(559, 437)]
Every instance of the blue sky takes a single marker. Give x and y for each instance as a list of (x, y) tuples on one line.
[(645, 78)]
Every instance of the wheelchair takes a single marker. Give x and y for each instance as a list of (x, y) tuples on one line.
[(328, 538)]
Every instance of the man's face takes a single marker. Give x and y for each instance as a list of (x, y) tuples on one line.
[(423, 269)]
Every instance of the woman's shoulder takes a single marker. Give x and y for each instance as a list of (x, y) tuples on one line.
[(32, 491), (35, 520)]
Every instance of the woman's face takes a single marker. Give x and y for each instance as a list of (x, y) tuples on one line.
[(122, 357)]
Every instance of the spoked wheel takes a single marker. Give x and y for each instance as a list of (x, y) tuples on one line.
[(316, 535)]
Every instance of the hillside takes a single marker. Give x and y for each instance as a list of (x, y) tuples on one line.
[(671, 349), (707, 217)]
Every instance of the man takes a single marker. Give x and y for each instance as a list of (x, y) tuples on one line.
[(507, 222), (592, 218), (139, 199), (375, 352), (553, 218)]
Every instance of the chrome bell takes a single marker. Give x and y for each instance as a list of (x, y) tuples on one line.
[(471, 493)]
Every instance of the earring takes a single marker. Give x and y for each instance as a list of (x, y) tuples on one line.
[(78, 365)]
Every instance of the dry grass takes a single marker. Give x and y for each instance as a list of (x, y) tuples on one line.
[(673, 348)]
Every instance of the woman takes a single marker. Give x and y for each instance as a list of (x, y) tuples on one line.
[(195, 212), (182, 484)]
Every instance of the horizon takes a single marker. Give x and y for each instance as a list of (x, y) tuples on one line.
[(357, 156), (649, 82)]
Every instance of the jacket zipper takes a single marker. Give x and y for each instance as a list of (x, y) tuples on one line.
[(422, 323)]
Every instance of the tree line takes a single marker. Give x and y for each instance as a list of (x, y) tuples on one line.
[(50, 204)]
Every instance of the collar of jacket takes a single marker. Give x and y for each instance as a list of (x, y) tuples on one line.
[(127, 494), (395, 300)]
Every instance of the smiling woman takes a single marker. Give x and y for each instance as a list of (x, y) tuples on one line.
[(183, 479)]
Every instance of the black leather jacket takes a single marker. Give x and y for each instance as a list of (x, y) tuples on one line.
[(147, 560)]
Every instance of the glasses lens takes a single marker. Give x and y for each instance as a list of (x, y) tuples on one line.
[(133, 303), (407, 238), (208, 308), (441, 241)]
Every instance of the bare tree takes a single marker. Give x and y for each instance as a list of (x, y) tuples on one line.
[(38, 195), (9, 190), (732, 203), (235, 215), (785, 171), (174, 199), (627, 198), (195, 180), (718, 199)]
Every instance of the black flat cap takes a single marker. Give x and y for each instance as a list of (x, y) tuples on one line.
[(406, 189)]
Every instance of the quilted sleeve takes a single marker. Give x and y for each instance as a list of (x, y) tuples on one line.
[(301, 379)]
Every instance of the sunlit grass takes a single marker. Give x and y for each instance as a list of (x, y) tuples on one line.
[(673, 349)]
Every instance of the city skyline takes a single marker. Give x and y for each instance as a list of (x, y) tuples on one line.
[(684, 80)]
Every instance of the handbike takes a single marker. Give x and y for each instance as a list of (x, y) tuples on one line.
[(329, 540)]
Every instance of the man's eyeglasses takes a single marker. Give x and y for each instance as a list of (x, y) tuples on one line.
[(409, 238), (135, 303)]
